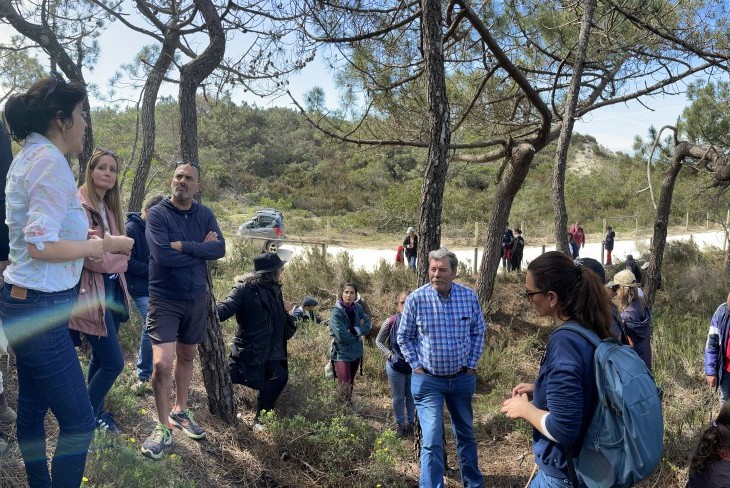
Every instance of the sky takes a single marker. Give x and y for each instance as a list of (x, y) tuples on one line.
[(613, 127)]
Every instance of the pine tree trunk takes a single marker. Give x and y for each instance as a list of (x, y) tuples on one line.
[(214, 366), (434, 179)]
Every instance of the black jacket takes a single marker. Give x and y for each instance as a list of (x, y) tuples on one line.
[(138, 268), (264, 327)]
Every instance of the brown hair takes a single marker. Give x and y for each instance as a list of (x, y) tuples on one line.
[(714, 439), (45, 100), (112, 198), (581, 295)]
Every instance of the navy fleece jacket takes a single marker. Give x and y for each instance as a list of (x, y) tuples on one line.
[(181, 275)]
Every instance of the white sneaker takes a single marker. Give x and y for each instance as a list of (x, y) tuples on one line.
[(257, 427)]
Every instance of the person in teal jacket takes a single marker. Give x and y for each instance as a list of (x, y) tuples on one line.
[(348, 323)]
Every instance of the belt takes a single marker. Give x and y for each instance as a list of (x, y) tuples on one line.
[(461, 371)]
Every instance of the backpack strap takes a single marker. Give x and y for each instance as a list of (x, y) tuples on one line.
[(591, 337)]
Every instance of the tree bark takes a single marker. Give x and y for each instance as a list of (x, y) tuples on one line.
[(661, 225), (212, 358), (514, 175), (439, 120), (561, 153), (149, 104)]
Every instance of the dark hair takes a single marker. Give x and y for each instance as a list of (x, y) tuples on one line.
[(714, 439), (45, 100), (581, 295), (345, 285), (152, 201)]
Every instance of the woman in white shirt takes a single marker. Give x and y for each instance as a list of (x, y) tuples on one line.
[(48, 243)]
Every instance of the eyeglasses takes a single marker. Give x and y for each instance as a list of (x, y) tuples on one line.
[(527, 294), (194, 165), (57, 79)]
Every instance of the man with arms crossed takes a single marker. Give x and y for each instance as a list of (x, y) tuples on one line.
[(182, 235), (441, 335)]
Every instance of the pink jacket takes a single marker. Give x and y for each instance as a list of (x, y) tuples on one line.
[(579, 235), (88, 314)]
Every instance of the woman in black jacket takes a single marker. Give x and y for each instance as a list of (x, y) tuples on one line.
[(259, 354)]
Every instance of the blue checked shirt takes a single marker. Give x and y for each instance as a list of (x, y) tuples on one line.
[(442, 335)]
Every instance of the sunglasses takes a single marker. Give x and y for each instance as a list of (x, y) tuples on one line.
[(100, 151), (56, 79), (194, 165)]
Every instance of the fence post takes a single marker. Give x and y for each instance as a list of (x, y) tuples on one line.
[(543, 248), (476, 251), (476, 234), (686, 221), (602, 254), (636, 220), (707, 220), (604, 226)]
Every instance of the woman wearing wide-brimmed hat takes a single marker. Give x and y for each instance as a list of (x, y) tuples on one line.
[(259, 353)]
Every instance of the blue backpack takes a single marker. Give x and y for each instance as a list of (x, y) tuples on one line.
[(624, 441)]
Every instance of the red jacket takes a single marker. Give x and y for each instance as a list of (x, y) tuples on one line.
[(578, 235)]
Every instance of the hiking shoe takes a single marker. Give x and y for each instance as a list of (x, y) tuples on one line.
[(184, 421), (141, 387), (400, 431), (154, 446), (106, 423)]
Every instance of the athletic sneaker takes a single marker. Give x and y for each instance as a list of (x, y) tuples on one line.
[(154, 446), (106, 423), (184, 421)]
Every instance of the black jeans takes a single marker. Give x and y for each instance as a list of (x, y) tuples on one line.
[(276, 376)]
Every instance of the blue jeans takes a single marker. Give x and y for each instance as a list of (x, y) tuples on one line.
[(412, 262), (541, 480), (107, 359), (49, 376), (144, 355), (430, 393), (400, 389), (724, 387)]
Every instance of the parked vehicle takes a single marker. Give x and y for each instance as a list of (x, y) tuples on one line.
[(267, 225)]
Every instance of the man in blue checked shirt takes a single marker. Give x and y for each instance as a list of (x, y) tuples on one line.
[(441, 335)]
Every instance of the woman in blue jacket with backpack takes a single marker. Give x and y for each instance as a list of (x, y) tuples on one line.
[(398, 371), (561, 402)]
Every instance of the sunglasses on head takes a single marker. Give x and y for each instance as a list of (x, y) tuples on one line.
[(100, 151), (56, 79), (194, 165)]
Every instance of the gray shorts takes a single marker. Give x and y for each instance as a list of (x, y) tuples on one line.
[(183, 321)]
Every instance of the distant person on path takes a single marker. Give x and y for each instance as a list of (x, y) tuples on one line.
[(608, 244), (182, 235), (573, 249), (579, 235), (506, 244), (259, 352), (635, 314), (560, 403), (103, 302), (410, 245), (710, 464), (518, 247), (137, 275), (348, 323), (306, 312), (49, 239), (717, 354), (398, 371), (633, 266), (441, 335)]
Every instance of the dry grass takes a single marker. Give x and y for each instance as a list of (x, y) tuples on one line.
[(312, 441)]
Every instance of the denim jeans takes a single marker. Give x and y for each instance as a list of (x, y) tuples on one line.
[(541, 480), (724, 387), (49, 376), (144, 355), (400, 389), (412, 262), (430, 393)]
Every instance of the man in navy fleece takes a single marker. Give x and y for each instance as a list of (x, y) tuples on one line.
[(182, 235)]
